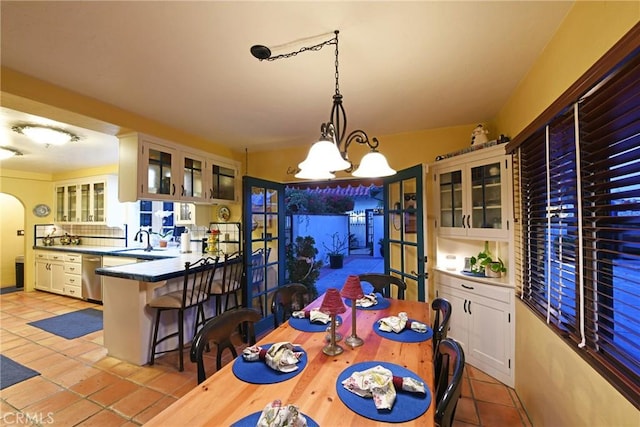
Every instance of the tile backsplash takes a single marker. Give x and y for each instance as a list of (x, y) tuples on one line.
[(90, 235)]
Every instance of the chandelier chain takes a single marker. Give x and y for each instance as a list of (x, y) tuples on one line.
[(337, 73), (304, 49)]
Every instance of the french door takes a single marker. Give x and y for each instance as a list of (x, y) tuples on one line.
[(263, 222), (404, 230)]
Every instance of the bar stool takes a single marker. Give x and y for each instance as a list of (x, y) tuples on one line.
[(230, 284), (195, 292)]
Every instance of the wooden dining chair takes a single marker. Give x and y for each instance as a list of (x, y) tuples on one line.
[(286, 299), (382, 283), (194, 293), (259, 259), (442, 309), (230, 284), (448, 387), (219, 331)]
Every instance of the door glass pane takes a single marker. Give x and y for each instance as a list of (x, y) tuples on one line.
[(85, 198), (451, 199), (72, 211), (159, 174), (98, 202), (60, 204), (192, 181), (486, 196)]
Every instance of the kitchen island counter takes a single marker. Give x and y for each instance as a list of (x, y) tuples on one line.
[(126, 291)]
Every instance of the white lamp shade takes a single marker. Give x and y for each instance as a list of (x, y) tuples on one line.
[(43, 135), (314, 173), (324, 155), (373, 165)]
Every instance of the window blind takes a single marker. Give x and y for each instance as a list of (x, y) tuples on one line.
[(578, 181)]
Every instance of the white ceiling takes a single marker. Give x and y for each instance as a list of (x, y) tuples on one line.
[(404, 66)]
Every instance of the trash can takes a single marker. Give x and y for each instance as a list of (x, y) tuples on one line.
[(20, 271)]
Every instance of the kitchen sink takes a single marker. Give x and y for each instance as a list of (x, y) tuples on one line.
[(142, 250)]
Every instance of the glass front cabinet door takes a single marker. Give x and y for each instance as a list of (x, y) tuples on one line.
[(473, 198), (160, 171)]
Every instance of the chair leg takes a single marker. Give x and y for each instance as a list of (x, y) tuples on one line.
[(155, 337), (181, 338)]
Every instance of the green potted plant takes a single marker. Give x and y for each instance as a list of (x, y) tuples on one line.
[(336, 251), (494, 268), (484, 265)]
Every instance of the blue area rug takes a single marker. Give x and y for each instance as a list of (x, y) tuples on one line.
[(12, 372), (72, 325), (9, 290)]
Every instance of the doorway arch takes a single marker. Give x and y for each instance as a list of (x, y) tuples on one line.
[(12, 238)]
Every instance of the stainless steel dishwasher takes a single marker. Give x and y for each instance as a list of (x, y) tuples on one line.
[(91, 282)]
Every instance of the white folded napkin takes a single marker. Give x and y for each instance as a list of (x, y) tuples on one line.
[(380, 384), (368, 300), (399, 323), (279, 357), (275, 414), (314, 315)]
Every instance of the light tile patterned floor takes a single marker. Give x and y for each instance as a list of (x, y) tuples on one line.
[(80, 385)]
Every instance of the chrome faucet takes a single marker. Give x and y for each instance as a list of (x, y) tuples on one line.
[(138, 238)]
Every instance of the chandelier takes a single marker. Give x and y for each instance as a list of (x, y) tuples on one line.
[(329, 154)]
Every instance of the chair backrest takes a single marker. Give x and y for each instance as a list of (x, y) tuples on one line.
[(219, 330), (381, 283), (448, 388), (442, 310), (232, 272), (198, 277), (259, 259), (283, 301)]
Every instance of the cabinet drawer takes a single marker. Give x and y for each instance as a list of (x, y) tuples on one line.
[(73, 291), (72, 268), (494, 292), (72, 279), (56, 257), (73, 258), (42, 255)]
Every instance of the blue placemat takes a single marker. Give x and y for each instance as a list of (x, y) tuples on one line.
[(259, 373), (252, 421), (306, 326), (380, 305), (407, 406), (407, 335), (472, 273)]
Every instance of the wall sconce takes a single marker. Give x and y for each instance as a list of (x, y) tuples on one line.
[(329, 154), (8, 152), (46, 135)]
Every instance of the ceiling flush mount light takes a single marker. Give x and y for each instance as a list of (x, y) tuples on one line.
[(46, 135), (8, 152), (329, 154)]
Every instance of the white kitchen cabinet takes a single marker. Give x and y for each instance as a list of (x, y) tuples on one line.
[(89, 201), (474, 194), (169, 171), (73, 275), (483, 321), (185, 213), (50, 271)]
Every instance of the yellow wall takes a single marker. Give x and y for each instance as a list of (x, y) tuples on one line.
[(555, 385), (11, 245), (30, 189)]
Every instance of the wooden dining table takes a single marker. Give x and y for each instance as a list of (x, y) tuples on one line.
[(223, 399)]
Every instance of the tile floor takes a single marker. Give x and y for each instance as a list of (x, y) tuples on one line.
[(80, 385)]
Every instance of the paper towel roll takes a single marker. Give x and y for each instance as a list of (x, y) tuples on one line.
[(185, 243)]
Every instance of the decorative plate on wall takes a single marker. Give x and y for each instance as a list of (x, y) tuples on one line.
[(41, 210), (224, 213)]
